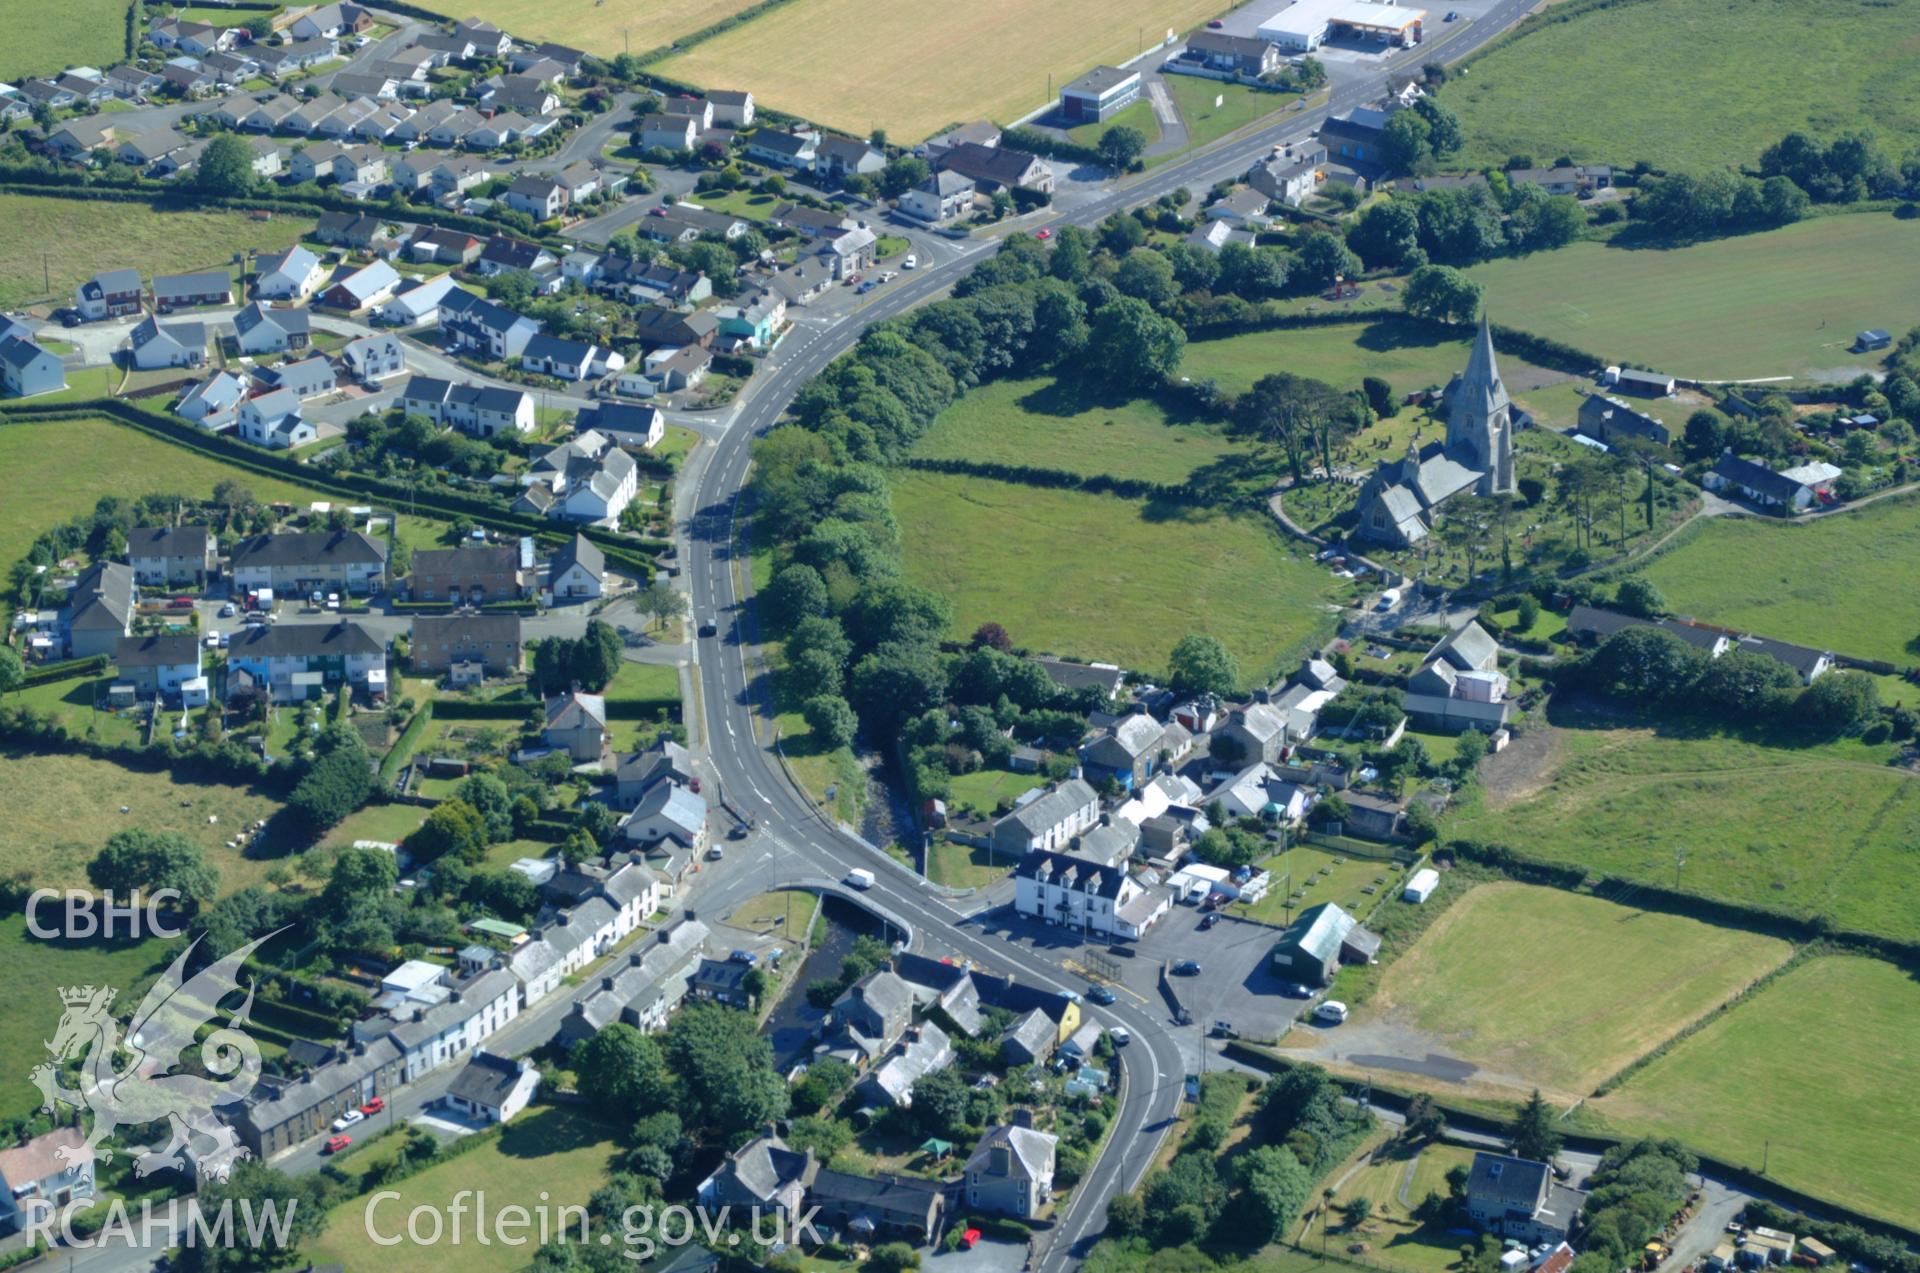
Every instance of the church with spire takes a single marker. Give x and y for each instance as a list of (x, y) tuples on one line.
[(1401, 503)]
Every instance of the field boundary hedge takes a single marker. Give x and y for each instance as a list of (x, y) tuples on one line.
[(1062, 480), (1542, 351), (48, 673)]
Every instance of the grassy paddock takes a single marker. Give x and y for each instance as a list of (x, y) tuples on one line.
[(47, 36), (566, 1151), (933, 65), (62, 808), (1562, 989), (1097, 577), (1783, 303), (142, 465), (1843, 583), (99, 235), (1674, 83), (1064, 424), (1623, 801), (1814, 1075)]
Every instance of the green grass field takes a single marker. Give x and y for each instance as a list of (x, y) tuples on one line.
[(142, 466), (1139, 117), (566, 1152), (1674, 84), (30, 994), (1814, 1074), (1321, 875), (61, 809), (1096, 577), (1783, 303), (656, 691), (934, 65), (1062, 424), (1206, 122), (1561, 989), (964, 866), (1406, 354), (1843, 583), (48, 36), (94, 236), (1623, 801), (985, 789)]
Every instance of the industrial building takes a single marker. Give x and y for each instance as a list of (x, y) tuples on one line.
[(1305, 25)]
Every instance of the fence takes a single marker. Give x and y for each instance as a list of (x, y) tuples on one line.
[(1361, 848)]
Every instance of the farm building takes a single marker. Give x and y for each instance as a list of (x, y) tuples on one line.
[(1319, 941)]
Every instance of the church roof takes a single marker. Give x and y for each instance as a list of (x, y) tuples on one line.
[(1480, 392), (1439, 475)]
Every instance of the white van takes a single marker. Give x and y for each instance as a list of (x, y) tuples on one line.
[(860, 878), (1331, 1012)]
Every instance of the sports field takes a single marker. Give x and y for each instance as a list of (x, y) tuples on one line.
[(45, 37), (598, 27), (1063, 425), (916, 67), (1097, 577), (564, 1151), (142, 465), (1843, 583), (1813, 1075), (1783, 303), (1673, 83), (62, 808), (1561, 989), (1626, 801), (50, 246)]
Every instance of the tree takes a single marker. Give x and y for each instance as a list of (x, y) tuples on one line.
[(893, 1257), (1277, 1189), (661, 602), (902, 174), (1120, 147), (1200, 664), (337, 782), (260, 26), (1296, 413), (1638, 596), (297, 1205), (625, 1067), (725, 1069), (1132, 347), (136, 859), (1705, 436), (1839, 702), (1442, 293), (12, 672), (489, 798), (1533, 1135), (1147, 276), (991, 635), (797, 592), (1126, 1214), (226, 168), (831, 719), (1356, 1211), (1387, 233), (1252, 272), (454, 827), (1379, 394), (1322, 258), (1406, 141)]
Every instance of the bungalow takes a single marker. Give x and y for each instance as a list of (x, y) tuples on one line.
[(378, 125), (939, 199), (168, 345), (1233, 54), (577, 571), (1759, 484), (109, 294), (1580, 180), (308, 378), (295, 659), (567, 359), (145, 149), (290, 562), (363, 288), (272, 419), (162, 555), (364, 92), (439, 246), (492, 1089), (26, 369), (483, 411), (998, 168), (1247, 207), (669, 328), (214, 403), (183, 291), (131, 82), (417, 127), (289, 275), (797, 150), (262, 329), (157, 666), (659, 282), (503, 254), (191, 80), (454, 128), (356, 230), (330, 21), (684, 222), (523, 95), (281, 60), (374, 358), (666, 132), (48, 94), (258, 117), (421, 302), (487, 39)]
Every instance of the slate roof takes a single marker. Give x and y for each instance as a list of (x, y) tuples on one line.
[(485, 1079), (576, 711), (1505, 1183), (1072, 872), (168, 541), (157, 651), (1468, 647), (304, 640), (580, 551), (103, 597), (308, 548), (1054, 807)]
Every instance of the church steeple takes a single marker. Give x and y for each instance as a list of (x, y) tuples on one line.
[(1479, 416)]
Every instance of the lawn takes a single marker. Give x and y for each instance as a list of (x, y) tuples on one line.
[(388, 823), (1065, 424), (933, 65), (1205, 121), (595, 27), (62, 808), (142, 465), (1321, 875), (966, 866), (787, 914), (1673, 83), (1396, 1238), (1813, 1076), (46, 36), (1843, 583), (566, 1151), (649, 689), (986, 789), (1139, 117), (1625, 801), (1561, 989), (1101, 578), (1783, 303), (749, 204), (30, 994), (98, 235)]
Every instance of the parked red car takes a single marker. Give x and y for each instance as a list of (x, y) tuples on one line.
[(337, 1143), (374, 1106), (1044, 232), (969, 1239)]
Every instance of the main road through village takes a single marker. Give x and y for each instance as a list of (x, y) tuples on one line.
[(792, 842)]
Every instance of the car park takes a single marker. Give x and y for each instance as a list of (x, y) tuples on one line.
[(1209, 920)]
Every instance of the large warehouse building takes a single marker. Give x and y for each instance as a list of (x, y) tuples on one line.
[(1307, 24)]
